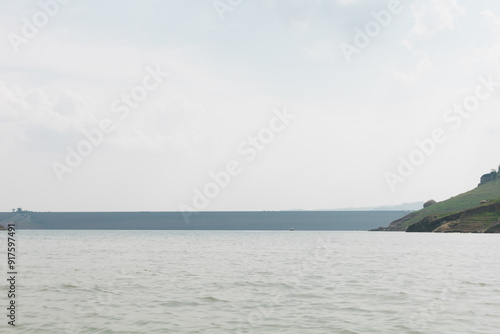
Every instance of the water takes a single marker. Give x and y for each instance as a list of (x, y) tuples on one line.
[(255, 282)]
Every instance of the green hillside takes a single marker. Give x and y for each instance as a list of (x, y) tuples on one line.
[(481, 219), (489, 191)]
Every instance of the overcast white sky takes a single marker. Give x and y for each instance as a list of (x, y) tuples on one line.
[(352, 121)]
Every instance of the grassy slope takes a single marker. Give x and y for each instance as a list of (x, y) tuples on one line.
[(465, 201)]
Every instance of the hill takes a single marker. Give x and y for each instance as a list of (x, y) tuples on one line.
[(262, 220), (482, 219), (486, 192)]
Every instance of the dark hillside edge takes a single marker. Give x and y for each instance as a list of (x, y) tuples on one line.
[(399, 224)]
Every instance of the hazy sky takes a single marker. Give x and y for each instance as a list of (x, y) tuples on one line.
[(306, 104)]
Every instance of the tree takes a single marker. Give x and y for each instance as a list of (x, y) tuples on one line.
[(493, 174), (19, 210)]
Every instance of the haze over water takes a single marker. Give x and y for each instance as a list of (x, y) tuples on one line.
[(256, 282)]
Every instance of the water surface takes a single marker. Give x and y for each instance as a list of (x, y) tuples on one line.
[(255, 282)]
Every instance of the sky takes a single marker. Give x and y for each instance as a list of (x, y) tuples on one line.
[(221, 105)]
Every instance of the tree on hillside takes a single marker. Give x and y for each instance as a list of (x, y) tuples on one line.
[(494, 174), (491, 176)]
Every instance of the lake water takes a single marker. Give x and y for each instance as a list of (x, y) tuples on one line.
[(254, 282)]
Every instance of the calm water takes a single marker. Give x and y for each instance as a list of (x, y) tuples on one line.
[(255, 282)]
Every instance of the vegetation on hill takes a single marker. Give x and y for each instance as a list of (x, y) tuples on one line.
[(482, 219), (21, 218), (492, 176), (487, 192)]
